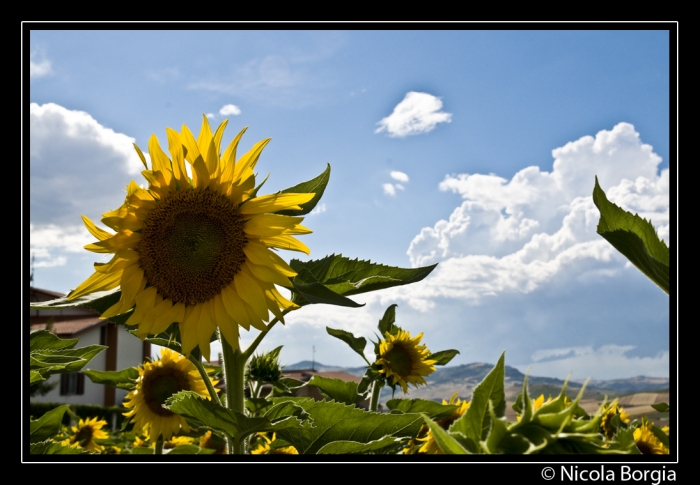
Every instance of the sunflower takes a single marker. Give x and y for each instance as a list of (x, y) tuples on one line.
[(213, 442), (157, 381), (606, 424), (195, 247), (430, 446), (403, 361), (646, 440), (85, 434), (262, 445)]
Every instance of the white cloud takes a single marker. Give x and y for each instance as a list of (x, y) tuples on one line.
[(230, 109), (389, 189), (417, 113), (515, 235), (319, 209), (39, 65), (399, 186), (400, 176), (606, 362), (211, 116), (74, 163), (46, 240)]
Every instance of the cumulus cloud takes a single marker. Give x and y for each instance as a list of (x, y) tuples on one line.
[(389, 189), (608, 361), (400, 176), (319, 209), (514, 235), (230, 109), (74, 163), (39, 65), (46, 241), (417, 113)]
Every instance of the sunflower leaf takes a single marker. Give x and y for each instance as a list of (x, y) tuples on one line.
[(49, 447), (63, 360), (98, 301), (662, 407), (474, 424), (345, 447), (123, 379), (357, 344), (43, 339), (318, 293), (430, 408), (386, 324), (338, 390), (448, 444), (634, 237), (35, 377), (344, 276), (47, 426), (334, 421), (314, 186), (207, 414), (443, 357)]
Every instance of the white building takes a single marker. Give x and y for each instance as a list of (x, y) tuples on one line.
[(124, 350)]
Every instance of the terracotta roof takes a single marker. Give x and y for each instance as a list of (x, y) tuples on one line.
[(52, 294), (68, 326)]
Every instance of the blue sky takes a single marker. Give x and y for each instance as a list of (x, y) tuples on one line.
[(473, 149)]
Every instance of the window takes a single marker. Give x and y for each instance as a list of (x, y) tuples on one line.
[(72, 384)]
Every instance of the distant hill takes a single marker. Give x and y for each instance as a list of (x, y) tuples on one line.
[(445, 381)]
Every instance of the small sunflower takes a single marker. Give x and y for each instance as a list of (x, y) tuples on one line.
[(157, 381), (429, 445), (213, 442), (85, 434), (196, 249), (646, 440), (262, 445), (176, 441), (403, 361), (606, 425)]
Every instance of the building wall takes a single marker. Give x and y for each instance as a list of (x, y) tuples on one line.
[(93, 393), (129, 354)]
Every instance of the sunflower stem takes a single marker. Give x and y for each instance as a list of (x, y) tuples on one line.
[(234, 375), (374, 400), (205, 377), (159, 446)]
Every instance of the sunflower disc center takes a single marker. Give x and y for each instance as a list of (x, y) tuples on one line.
[(84, 436), (192, 245), (159, 385), (400, 360)]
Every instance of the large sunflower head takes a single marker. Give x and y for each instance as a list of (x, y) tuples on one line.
[(403, 360), (194, 247), (157, 381), (85, 433)]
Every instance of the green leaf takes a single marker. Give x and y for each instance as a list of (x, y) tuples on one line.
[(662, 407), (314, 186), (318, 293), (338, 390), (447, 443), (634, 237), (476, 421), (190, 450), (98, 301), (347, 277), (497, 432), (207, 414), (46, 426), (49, 447), (43, 340), (123, 379), (386, 324), (429, 408), (443, 357), (35, 377), (63, 360), (141, 450), (353, 447), (339, 422), (357, 344)]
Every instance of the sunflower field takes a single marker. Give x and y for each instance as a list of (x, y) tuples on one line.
[(195, 254)]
